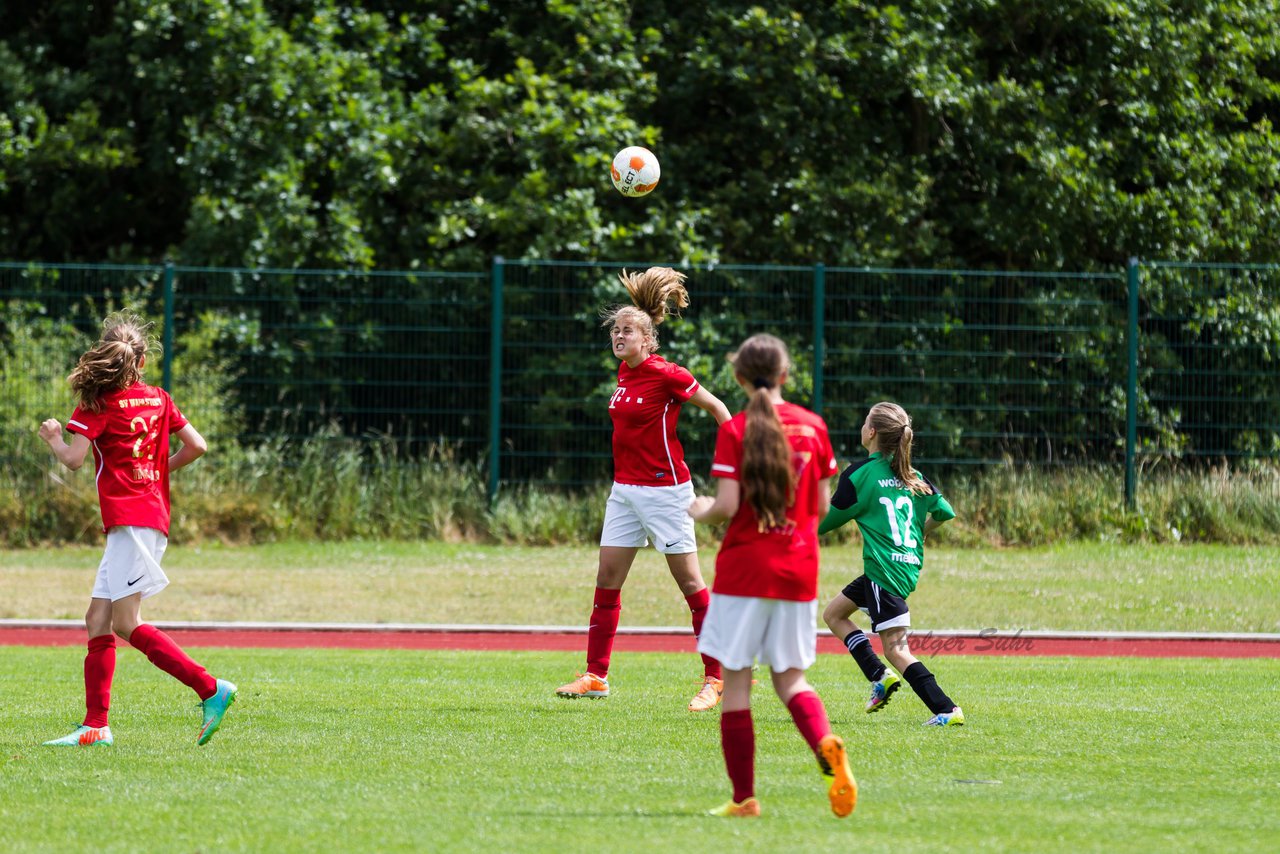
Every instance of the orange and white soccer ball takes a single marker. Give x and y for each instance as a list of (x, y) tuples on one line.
[(635, 171)]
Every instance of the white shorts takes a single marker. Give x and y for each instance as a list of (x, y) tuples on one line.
[(779, 633), (131, 564), (636, 515)]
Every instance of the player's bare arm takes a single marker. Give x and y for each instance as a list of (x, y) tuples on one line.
[(70, 455), (823, 503), (722, 507), (193, 448), (704, 399)]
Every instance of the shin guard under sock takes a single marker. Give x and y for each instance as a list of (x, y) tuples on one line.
[(859, 647), (99, 668), (161, 651), (926, 688), (738, 742), (810, 717), (605, 611), (698, 603)]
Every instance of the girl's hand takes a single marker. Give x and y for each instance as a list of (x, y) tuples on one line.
[(51, 430), (700, 506)]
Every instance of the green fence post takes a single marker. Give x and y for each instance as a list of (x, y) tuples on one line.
[(819, 320), (1131, 392), (166, 377), (495, 377)]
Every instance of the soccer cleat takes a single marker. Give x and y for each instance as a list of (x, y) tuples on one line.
[(882, 690), (215, 708), (749, 808), (84, 736), (842, 790), (586, 685), (955, 717), (708, 696)]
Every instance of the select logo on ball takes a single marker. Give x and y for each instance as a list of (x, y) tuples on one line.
[(635, 171)]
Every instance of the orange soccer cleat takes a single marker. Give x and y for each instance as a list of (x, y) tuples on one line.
[(586, 685), (708, 696), (842, 791)]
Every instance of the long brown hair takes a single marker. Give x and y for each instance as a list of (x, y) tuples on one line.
[(114, 362), (893, 430), (768, 476), (656, 293)]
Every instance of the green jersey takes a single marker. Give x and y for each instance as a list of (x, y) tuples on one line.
[(891, 518)]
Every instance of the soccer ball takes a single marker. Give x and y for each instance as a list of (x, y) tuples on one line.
[(635, 171)]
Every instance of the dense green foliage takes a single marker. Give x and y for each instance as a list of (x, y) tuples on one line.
[(397, 134), (433, 136)]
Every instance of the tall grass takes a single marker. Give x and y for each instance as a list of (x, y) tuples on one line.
[(330, 487), (1021, 506)]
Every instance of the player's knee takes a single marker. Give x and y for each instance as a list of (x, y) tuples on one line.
[(610, 577), (834, 612), (95, 623)]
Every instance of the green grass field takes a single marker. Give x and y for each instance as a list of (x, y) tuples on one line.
[(1071, 587), (399, 751)]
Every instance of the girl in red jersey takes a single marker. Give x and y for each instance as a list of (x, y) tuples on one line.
[(127, 424), (774, 462), (651, 486)]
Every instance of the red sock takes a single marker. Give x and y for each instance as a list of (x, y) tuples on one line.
[(738, 741), (161, 651), (99, 668), (600, 632), (698, 603), (810, 716)]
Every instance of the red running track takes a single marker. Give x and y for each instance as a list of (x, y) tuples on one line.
[(922, 643)]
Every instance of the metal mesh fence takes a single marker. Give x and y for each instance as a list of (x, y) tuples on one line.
[(263, 355), (513, 362), (1209, 365), (558, 373), (992, 367), (397, 354), (48, 317)]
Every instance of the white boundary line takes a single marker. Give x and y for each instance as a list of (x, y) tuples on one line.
[(479, 628)]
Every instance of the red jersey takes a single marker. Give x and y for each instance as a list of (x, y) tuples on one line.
[(130, 439), (644, 409), (780, 563)]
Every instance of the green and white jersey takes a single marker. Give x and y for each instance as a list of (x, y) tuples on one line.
[(891, 519)]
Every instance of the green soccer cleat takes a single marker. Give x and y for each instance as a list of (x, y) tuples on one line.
[(882, 690), (84, 736), (215, 708), (955, 717)]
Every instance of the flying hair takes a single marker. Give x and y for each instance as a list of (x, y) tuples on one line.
[(893, 430), (656, 294), (768, 476), (114, 362)]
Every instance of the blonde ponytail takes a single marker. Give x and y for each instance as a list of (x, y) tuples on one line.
[(656, 294), (893, 428), (114, 363)]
